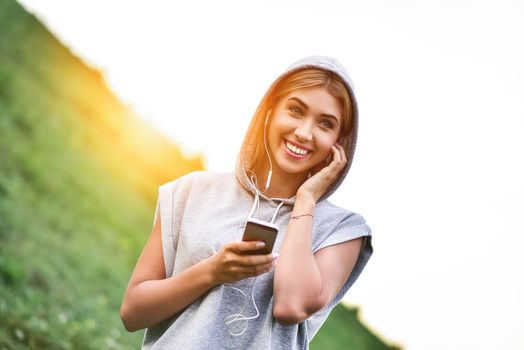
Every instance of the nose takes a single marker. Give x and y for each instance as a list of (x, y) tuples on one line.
[(304, 131)]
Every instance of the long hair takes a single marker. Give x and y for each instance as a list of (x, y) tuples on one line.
[(300, 79)]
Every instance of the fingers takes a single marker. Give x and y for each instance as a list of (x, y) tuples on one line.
[(255, 260), (339, 155), (243, 247), (232, 264), (258, 269), (342, 153), (252, 265), (241, 253)]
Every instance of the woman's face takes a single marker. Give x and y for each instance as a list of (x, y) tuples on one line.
[(305, 124)]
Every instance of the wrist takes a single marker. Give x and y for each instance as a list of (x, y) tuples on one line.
[(212, 276), (305, 200)]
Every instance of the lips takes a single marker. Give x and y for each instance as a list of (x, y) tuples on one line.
[(295, 150)]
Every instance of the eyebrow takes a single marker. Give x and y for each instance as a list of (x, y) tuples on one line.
[(299, 101)]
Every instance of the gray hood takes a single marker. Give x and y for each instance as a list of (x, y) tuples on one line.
[(257, 122)]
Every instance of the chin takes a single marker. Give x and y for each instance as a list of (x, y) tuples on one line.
[(293, 169)]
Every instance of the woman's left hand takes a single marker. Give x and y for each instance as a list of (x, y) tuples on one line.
[(317, 184)]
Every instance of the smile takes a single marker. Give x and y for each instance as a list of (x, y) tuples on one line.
[(294, 150)]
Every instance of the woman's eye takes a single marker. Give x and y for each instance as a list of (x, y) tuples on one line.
[(295, 110), (327, 124)]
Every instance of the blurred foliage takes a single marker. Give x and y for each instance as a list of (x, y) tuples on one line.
[(343, 330), (78, 179)]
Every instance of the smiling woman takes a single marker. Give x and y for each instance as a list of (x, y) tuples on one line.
[(191, 283), (304, 127), (312, 95)]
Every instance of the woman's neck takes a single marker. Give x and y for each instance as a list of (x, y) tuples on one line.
[(282, 185)]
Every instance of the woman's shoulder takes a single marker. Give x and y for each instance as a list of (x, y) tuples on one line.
[(329, 210), (336, 224), (193, 185), (201, 177)]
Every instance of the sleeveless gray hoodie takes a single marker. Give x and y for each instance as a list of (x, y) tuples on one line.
[(202, 211)]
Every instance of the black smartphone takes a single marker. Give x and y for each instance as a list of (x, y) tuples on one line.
[(258, 230)]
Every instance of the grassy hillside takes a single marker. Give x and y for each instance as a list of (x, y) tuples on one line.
[(343, 330), (78, 179)]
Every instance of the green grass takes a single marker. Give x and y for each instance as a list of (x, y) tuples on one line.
[(343, 330), (78, 179), (68, 235)]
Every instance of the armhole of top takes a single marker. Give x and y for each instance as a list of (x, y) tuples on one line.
[(363, 257), (165, 205), (314, 323)]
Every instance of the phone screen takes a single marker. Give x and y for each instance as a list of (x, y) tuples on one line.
[(261, 231)]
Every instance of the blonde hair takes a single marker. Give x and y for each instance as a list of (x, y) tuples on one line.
[(303, 78)]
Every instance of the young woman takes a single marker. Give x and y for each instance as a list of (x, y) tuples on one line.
[(197, 285)]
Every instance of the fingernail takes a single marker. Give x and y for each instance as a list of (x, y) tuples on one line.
[(275, 256), (261, 244)]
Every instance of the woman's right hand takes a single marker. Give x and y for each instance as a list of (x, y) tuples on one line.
[(234, 262)]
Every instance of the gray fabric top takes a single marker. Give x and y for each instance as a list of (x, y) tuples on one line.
[(202, 211)]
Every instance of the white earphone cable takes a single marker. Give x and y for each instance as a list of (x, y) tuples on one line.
[(239, 316), (253, 178), (268, 155)]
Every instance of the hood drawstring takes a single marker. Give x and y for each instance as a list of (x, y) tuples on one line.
[(256, 202), (239, 316)]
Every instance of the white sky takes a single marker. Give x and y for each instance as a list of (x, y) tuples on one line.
[(439, 165)]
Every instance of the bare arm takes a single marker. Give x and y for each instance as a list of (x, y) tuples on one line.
[(151, 297), (305, 282)]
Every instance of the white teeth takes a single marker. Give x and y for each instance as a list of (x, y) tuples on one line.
[(295, 149)]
